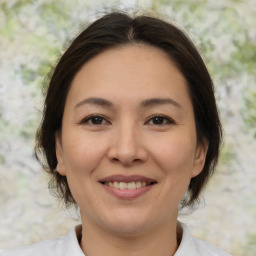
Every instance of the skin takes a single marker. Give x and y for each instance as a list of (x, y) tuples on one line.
[(128, 140)]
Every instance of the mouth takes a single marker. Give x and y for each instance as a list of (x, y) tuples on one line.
[(128, 185)]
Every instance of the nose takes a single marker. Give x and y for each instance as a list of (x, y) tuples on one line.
[(127, 147)]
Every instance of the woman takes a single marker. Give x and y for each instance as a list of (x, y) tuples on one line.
[(130, 134)]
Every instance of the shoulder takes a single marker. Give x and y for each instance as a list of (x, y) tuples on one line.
[(204, 248), (61, 246), (196, 247)]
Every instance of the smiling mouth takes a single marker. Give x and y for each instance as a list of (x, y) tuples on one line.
[(128, 185)]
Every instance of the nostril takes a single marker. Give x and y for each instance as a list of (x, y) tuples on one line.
[(115, 159), (127, 155)]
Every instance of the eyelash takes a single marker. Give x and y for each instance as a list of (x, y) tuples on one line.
[(166, 118), (163, 117), (90, 118)]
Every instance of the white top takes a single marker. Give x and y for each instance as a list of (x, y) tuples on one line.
[(68, 245)]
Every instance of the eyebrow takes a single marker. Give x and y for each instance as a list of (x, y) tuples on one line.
[(159, 101), (145, 103), (95, 101)]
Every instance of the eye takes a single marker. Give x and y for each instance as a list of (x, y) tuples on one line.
[(160, 120), (95, 120)]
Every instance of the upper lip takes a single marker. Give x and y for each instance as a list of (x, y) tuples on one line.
[(124, 178)]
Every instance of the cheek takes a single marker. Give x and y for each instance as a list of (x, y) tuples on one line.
[(175, 160), (174, 154), (83, 153)]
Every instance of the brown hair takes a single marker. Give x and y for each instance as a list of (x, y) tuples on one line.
[(115, 29)]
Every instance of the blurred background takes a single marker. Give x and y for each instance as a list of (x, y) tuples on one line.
[(34, 33)]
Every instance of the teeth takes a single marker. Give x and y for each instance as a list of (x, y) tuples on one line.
[(138, 184), (125, 185), (131, 185)]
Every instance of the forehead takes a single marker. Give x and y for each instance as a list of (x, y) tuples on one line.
[(132, 71)]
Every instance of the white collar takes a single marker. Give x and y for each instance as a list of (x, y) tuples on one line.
[(72, 247)]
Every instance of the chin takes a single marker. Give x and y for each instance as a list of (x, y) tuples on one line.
[(129, 224)]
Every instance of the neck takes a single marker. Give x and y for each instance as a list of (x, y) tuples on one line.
[(161, 241)]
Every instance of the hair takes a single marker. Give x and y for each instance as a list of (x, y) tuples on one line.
[(110, 31)]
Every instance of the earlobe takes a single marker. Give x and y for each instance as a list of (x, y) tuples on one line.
[(60, 168), (200, 157)]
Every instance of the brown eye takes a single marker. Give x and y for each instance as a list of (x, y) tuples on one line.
[(95, 120), (160, 120)]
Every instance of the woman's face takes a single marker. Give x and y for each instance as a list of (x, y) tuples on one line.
[(128, 142)]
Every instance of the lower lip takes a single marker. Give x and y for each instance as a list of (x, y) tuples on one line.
[(128, 193)]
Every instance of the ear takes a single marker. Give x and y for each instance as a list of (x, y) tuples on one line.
[(59, 155), (200, 156)]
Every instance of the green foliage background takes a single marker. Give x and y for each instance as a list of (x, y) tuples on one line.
[(34, 33)]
